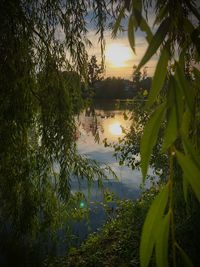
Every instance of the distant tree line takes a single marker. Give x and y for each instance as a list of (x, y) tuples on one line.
[(118, 88), (115, 87)]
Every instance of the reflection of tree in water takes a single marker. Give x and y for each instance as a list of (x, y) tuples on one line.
[(91, 124), (96, 123)]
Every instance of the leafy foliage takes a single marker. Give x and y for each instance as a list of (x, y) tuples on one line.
[(40, 93), (179, 95), (95, 71), (175, 116), (43, 65), (117, 243), (149, 137), (153, 222)]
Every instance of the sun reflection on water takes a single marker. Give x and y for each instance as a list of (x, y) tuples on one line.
[(109, 125), (113, 127)]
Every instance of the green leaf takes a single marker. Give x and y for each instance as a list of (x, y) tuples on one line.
[(145, 28), (185, 86), (190, 150), (141, 22), (150, 136), (137, 5), (186, 260), (156, 41), (195, 37), (171, 130), (174, 98), (162, 13), (186, 120), (162, 242), (191, 172), (159, 76), (196, 73), (178, 100), (175, 113), (131, 35), (188, 26), (197, 76), (118, 21), (171, 96), (151, 224), (185, 188)]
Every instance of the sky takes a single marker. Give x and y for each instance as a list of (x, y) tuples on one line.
[(119, 57)]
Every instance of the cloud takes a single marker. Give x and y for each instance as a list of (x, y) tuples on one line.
[(122, 40)]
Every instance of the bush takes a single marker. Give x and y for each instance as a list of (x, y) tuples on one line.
[(117, 243)]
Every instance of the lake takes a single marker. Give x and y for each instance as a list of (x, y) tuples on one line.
[(107, 119), (104, 120)]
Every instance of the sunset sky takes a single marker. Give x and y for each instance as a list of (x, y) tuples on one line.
[(119, 57)]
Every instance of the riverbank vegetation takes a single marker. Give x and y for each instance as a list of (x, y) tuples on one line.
[(117, 242)]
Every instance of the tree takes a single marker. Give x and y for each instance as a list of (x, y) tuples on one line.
[(138, 76), (38, 104), (174, 102), (37, 124), (95, 71), (111, 88)]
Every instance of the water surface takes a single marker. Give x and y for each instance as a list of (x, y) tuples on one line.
[(108, 120)]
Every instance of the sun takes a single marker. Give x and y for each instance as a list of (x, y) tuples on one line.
[(117, 55), (115, 128)]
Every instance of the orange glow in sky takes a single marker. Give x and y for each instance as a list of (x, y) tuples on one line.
[(115, 128), (117, 55)]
